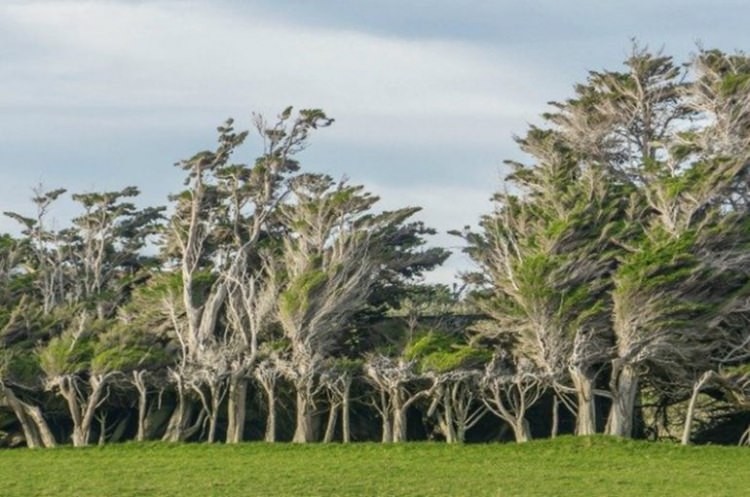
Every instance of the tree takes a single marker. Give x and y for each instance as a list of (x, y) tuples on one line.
[(398, 386), (509, 389), (545, 261), (332, 256), (684, 274), (218, 227)]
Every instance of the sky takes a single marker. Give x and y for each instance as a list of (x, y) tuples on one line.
[(427, 95)]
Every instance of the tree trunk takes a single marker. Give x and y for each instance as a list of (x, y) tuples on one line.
[(624, 393), (345, 416), (35, 428), (399, 424), (142, 407), (214, 390), (35, 414), (33, 440), (691, 406), (267, 379), (448, 422), (175, 431), (385, 416), (303, 429), (68, 392), (555, 416), (331, 425), (521, 430), (102, 431), (85, 414), (236, 409), (586, 416), (271, 418)]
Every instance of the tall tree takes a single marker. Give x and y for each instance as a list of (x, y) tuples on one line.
[(217, 229), (333, 253)]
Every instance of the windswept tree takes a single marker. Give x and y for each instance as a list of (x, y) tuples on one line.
[(685, 274), (398, 385), (334, 250), (215, 237), (545, 257), (456, 368), (83, 273)]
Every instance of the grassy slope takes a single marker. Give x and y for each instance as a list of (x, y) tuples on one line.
[(568, 466)]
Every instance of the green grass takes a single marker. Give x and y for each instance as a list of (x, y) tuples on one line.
[(567, 466)]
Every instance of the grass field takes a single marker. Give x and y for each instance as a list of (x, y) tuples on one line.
[(566, 466)]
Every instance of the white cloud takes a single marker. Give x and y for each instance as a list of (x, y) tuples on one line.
[(193, 56), (85, 72)]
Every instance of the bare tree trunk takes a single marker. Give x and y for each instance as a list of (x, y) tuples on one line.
[(236, 409), (624, 393), (82, 411), (102, 430), (448, 421), (303, 431), (461, 433), (705, 378), (97, 384), (33, 440), (399, 423), (267, 375), (586, 415), (142, 406), (387, 433), (48, 439), (521, 430), (216, 393), (385, 415), (271, 418), (345, 416), (331, 425), (35, 428), (175, 431), (555, 416)]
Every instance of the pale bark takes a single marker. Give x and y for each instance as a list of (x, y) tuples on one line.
[(35, 428), (555, 417), (346, 418), (303, 431), (216, 391), (138, 379), (383, 408), (705, 378), (236, 409), (331, 424), (179, 428), (509, 396), (521, 430), (393, 379), (267, 375), (456, 405), (586, 403), (82, 408), (337, 383), (624, 394)]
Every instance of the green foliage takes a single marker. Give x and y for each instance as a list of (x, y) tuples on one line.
[(660, 260), (295, 299), (459, 357), (19, 366), (429, 343), (441, 352), (66, 355)]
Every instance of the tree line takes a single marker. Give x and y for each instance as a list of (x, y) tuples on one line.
[(612, 284)]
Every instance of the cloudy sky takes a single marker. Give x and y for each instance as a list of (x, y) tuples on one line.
[(426, 94)]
